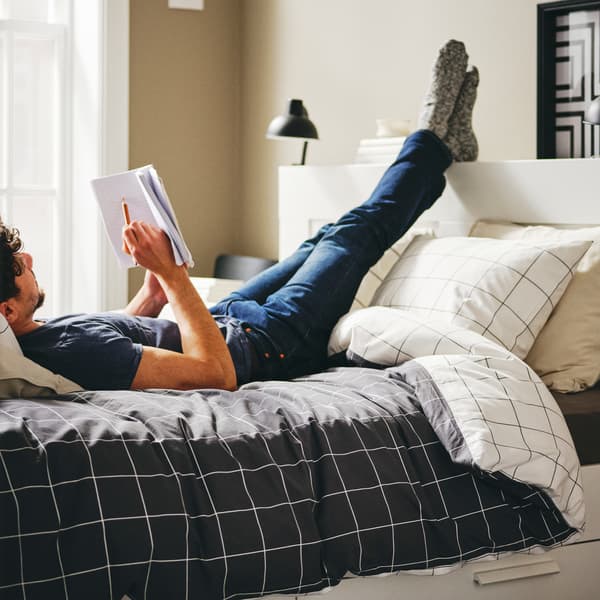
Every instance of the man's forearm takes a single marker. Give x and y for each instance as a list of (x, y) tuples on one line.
[(149, 300), (200, 335), (143, 304)]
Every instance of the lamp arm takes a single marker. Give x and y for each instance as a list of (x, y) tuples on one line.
[(302, 162)]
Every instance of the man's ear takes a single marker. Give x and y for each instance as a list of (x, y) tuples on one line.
[(8, 310)]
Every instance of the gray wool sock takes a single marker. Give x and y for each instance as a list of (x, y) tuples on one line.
[(460, 138), (446, 81)]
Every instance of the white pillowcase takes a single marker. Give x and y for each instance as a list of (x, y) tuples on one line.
[(503, 290), (566, 353), (377, 273), (8, 341), (387, 336), (23, 378)]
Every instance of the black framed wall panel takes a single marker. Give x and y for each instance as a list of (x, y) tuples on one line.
[(568, 78)]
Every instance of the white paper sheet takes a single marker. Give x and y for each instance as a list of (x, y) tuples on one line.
[(147, 201)]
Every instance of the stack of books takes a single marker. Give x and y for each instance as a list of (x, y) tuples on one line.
[(378, 150)]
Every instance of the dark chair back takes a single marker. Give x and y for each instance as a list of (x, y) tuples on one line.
[(233, 266)]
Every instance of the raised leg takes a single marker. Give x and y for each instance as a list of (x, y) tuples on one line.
[(298, 317), (290, 310), (261, 286)]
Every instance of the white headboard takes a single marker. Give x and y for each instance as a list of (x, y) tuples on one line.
[(556, 191)]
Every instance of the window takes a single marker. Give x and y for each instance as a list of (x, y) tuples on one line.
[(33, 149), (61, 68)]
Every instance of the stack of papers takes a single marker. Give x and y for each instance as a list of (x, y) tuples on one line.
[(379, 150), (146, 198)]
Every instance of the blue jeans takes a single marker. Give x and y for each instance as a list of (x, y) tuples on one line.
[(289, 310)]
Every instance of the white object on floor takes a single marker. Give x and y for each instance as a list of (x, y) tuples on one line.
[(211, 289)]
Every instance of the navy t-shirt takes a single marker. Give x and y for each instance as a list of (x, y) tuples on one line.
[(101, 351)]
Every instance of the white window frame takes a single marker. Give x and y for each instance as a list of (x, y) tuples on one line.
[(91, 140), (10, 30), (100, 145)]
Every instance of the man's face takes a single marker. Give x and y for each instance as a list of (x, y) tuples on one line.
[(31, 296)]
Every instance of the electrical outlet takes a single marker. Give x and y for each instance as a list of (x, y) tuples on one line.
[(187, 4)]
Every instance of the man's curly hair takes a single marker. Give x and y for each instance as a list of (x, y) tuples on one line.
[(10, 266)]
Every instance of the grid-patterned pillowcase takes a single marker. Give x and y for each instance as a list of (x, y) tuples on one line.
[(504, 290), (377, 273), (23, 378), (566, 354)]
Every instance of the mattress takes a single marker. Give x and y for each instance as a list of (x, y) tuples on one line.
[(582, 414)]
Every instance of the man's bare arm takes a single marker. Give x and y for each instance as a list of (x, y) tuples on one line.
[(149, 300), (161, 368), (206, 361)]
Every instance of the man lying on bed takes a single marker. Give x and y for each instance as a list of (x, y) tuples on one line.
[(278, 324)]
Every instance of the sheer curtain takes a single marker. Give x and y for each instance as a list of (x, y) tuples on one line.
[(59, 128)]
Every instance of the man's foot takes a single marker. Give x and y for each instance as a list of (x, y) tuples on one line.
[(460, 138), (446, 81)]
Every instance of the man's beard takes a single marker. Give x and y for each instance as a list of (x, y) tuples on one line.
[(40, 300), (41, 294)]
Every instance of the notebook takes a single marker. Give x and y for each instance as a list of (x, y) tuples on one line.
[(147, 200)]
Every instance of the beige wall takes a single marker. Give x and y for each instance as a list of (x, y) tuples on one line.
[(355, 60), (184, 116), (204, 86)]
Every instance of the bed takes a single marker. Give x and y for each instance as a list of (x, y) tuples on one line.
[(559, 192), (325, 483)]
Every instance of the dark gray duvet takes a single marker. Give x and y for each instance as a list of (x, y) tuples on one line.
[(278, 487)]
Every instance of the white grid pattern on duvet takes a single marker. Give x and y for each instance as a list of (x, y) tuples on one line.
[(511, 423), (377, 428)]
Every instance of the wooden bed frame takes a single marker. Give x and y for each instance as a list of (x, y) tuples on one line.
[(554, 192)]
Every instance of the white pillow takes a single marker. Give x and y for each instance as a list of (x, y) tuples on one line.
[(23, 378), (566, 353), (8, 341), (504, 290), (387, 336), (377, 273)]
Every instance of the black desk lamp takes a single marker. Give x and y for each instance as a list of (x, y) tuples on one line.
[(295, 123)]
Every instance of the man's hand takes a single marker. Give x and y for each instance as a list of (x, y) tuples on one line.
[(150, 247), (137, 237)]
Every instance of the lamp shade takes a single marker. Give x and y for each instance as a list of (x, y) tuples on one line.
[(592, 114), (295, 123)]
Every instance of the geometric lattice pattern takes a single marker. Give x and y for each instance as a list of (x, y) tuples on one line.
[(577, 55)]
